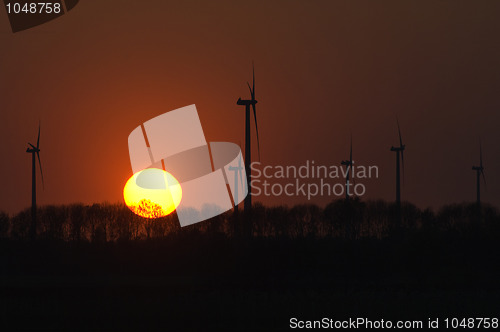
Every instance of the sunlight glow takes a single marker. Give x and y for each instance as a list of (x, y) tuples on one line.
[(152, 193)]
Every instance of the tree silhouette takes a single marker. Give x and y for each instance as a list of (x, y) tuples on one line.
[(4, 224), (352, 220), (148, 209)]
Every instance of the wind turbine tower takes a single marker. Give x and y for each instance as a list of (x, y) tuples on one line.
[(348, 165), (34, 150), (237, 173), (399, 151), (248, 158), (479, 172)]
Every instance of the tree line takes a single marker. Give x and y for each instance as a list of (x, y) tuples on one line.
[(353, 219)]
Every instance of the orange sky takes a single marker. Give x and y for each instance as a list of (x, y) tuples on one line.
[(323, 69)]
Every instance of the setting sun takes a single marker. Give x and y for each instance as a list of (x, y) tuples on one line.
[(152, 193)]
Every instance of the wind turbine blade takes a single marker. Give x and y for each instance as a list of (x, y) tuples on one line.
[(350, 156), (253, 81), (256, 129), (403, 164), (481, 161), (240, 173), (38, 140), (252, 88), (251, 91), (402, 149), (399, 132), (34, 147), (40, 164), (480, 154), (239, 166)]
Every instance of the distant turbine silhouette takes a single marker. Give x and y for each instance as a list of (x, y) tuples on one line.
[(237, 171), (348, 166), (248, 159), (479, 172), (399, 150), (34, 150)]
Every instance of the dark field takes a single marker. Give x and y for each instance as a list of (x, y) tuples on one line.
[(206, 278)]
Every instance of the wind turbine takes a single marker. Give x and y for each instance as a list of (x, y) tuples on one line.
[(399, 150), (479, 171), (237, 171), (34, 150), (348, 166), (247, 103)]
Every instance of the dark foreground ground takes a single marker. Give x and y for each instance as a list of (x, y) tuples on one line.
[(201, 282)]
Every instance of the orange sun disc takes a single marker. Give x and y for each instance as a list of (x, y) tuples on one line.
[(152, 193)]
